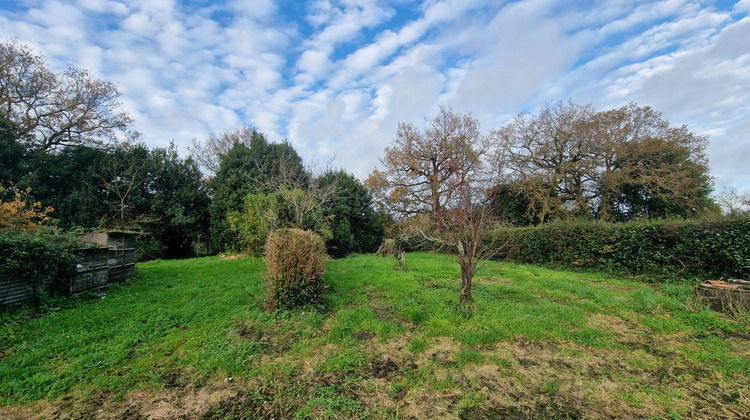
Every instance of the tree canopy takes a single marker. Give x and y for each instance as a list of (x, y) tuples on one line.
[(51, 109), (247, 170), (418, 165), (571, 160), (355, 226), (131, 187)]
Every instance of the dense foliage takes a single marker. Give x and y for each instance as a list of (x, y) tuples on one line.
[(295, 263), (19, 212), (355, 226), (252, 225), (246, 170), (695, 248), (35, 255), (153, 191)]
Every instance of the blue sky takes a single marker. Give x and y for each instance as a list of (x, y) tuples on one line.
[(336, 77)]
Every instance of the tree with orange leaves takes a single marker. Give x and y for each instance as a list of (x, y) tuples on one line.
[(20, 213)]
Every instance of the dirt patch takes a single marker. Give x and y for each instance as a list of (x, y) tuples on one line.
[(20, 412), (566, 379), (613, 324), (176, 378), (363, 335), (382, 314), (382, 368), (271, 339)]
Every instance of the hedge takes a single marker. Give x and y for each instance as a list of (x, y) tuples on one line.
[(718, 248)]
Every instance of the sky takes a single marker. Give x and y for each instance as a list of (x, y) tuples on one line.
[(335, 77)]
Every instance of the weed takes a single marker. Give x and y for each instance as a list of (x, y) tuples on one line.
[(418, 345), (550, 387), (466, 357)]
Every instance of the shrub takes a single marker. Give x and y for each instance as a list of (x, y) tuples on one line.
[(251, 226), (21, 213), (295, 262), (35, 255), (692, 248)]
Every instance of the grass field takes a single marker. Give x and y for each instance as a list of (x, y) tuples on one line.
[(188, 338)]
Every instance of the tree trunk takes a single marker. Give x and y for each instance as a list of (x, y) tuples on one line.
[(466, 276)]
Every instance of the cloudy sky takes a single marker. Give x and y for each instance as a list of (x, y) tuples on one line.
[(335, 77)]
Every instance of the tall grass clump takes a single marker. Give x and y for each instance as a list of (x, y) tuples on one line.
[(295, 263)]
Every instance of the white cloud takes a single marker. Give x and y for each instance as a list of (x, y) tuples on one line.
[(104, 6), (314, 63), (339, 79)]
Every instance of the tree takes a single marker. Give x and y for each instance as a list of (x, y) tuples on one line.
[(178, 203), (247, 170), (510, 204), (547, 158), (20, 212), (619, 164), (208, 154), (123, 175), (355, 226), (417, 166), (303, 196), (647, 168), (157, 193), (658, 179), (70, 181), (55, 109), (152, 191), (464, 223), (732, 202), (12, 153), (252, 225), (441, 174)]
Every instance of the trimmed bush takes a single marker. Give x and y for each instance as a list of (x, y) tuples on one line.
[(694, 248), (295, 263)]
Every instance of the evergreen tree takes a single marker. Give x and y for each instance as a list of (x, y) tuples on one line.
[(246, 170)]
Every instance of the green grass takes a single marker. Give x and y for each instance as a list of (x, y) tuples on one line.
[(191, 324)]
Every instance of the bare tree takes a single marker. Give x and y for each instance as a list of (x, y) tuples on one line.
[(548, 158), (439, 177), (122, 176), (304, 195), (51, 110), (465, 224), (208, 153), (732, 202)]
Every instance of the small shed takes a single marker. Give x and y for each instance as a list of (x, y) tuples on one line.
[(121, 251), (92, 270), (111, 239)]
